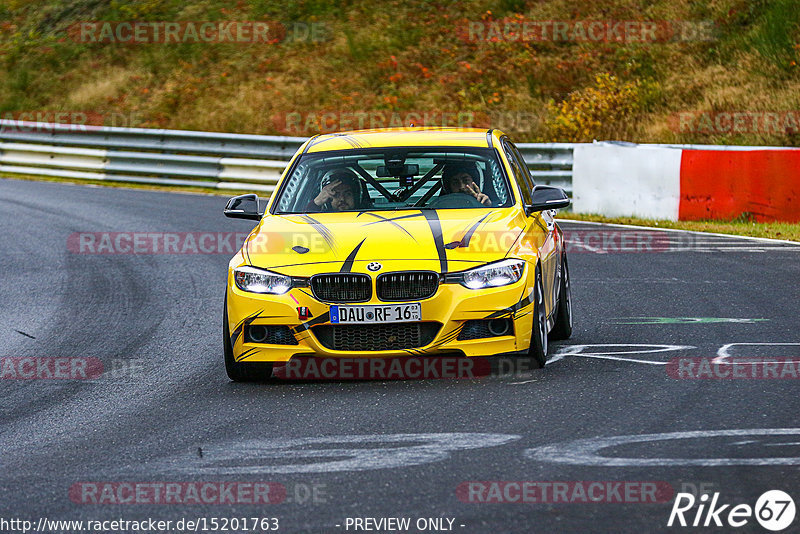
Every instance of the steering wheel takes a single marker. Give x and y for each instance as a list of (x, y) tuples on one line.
[(456, 200)]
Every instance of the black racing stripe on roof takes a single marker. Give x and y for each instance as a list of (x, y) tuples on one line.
[(312, 141), (349, 140), (317, 139)]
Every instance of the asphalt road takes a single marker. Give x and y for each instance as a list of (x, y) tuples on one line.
[(383, 449)]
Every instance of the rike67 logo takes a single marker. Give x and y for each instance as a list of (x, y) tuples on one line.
[(774, 510)]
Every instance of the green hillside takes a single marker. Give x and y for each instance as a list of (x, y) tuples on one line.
[(326, 66)]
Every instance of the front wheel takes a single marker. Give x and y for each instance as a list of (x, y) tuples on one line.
[(538, 349), (239, 371), (562, 328)]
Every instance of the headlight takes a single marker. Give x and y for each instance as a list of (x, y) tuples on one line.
[(497, 274), (261, 281)]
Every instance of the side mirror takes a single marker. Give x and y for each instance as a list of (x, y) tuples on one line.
[(547, 197), (243, 207)]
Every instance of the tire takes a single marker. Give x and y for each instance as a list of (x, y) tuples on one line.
[(238, 371), (562, 329), (537, 353)]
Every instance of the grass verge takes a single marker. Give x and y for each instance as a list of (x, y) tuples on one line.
[(773, 230)]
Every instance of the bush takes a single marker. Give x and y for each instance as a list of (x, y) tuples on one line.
[(606, 110)]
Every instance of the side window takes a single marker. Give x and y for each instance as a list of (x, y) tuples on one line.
[(521, 176), (523, 165), (295, 185)]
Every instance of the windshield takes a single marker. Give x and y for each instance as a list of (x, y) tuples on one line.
[(395, 179)]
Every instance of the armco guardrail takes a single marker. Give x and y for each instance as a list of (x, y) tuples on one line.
[(549, 163), (187, 158), (163, 157)]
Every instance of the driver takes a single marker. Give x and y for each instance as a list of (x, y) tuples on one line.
[(340, 191), (463, 178)]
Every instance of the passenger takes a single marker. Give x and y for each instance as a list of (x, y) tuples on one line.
[(340, 191), (463, 178)]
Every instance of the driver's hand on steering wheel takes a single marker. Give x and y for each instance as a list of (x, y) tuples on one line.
[(472, 189)]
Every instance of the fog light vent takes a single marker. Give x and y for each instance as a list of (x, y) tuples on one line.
[(483, 328), (270, 334)]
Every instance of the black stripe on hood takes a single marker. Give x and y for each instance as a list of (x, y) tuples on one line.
[(384, 219), (436, 229), (347, 266), (464, 243), (322, 229)]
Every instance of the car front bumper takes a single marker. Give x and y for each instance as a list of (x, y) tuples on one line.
[(450, 307)]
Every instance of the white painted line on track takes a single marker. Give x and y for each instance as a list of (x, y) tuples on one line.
[(330, 454), (578, 350), (587, 451), (676, 230), (723, 353), (571, 243)]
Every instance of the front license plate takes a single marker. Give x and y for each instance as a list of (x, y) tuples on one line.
[(395, 313)]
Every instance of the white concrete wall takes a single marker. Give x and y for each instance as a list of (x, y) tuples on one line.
[(636, 180)]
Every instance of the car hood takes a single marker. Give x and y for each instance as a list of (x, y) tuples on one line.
[(439, 240)]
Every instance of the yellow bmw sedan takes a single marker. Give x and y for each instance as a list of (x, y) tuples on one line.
[(398, 242)]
